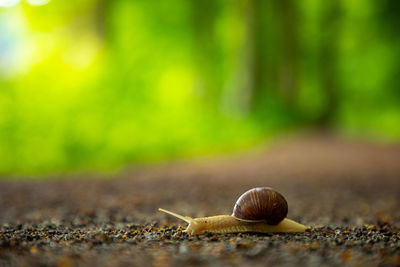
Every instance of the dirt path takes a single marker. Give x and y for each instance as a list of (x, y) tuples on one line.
[(348, 192)]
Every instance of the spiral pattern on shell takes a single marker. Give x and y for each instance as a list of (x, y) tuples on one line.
[(261, 203)]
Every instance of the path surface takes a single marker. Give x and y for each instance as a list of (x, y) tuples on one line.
[(347, 191)]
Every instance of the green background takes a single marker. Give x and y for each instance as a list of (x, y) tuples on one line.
[(98, 84)]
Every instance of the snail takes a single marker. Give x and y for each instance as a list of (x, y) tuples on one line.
[(259, 210)]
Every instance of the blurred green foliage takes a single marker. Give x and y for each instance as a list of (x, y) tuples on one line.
[(97, 84)]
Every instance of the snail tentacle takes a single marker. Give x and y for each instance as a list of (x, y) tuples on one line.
[(185, 218)]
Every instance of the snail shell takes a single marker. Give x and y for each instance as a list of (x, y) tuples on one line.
[(261, 204)]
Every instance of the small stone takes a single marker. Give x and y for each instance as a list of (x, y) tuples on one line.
[(183, 248), (33, 250)]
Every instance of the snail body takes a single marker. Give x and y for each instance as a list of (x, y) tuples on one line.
[(260, 210)]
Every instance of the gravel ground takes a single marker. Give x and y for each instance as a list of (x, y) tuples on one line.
[(348, 192)]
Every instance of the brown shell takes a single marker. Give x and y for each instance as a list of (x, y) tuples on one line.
[(261, 203)]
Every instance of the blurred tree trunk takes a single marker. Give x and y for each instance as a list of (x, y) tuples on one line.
[(101, 16), (275, 52), (205, 49), (328, 59), (389, 28), (289, 53), (247, 81), (257, 25)]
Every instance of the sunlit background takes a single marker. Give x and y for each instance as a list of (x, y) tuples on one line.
[(99, 84)]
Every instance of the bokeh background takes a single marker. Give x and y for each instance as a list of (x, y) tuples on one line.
[(101, 84)]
